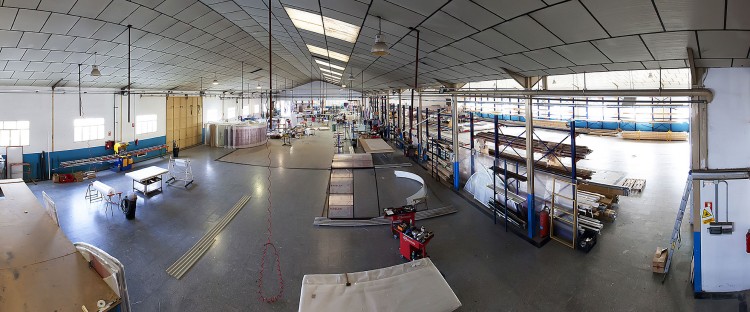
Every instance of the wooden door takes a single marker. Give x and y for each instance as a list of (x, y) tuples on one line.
[(184, 120)]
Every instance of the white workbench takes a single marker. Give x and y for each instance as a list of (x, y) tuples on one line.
[(144, 180)]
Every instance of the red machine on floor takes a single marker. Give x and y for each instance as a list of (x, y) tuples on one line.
[(412, 240), (400, 215)]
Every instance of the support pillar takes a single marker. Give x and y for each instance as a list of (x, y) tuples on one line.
[(454, 124), (531, 212)]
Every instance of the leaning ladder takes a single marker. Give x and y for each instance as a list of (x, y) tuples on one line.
[(676, 238)]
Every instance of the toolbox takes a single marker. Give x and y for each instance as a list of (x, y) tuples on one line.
[(398, 215), (413, 242)]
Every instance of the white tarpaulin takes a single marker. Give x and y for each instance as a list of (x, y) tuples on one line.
[(412, 286)]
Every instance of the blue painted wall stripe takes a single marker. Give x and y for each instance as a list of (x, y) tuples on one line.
[(697, 286)]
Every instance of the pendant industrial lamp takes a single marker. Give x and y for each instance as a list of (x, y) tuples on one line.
[(380, 48), (351, 76), (95, 69), (215, 81)]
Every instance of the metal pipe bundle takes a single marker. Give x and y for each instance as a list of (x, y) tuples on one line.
[(540, 146)]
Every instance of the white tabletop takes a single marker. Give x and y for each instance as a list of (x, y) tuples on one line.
[(146, 173)]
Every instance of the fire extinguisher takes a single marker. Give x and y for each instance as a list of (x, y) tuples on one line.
[(544, 223), (747, 241)]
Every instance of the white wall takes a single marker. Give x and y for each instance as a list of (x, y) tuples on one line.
[(725, 266), (37, 108), (34, 107)]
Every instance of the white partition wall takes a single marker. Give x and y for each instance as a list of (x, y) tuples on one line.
[(722, 263)]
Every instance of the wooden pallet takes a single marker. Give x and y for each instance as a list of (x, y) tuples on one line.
[(635, 185)]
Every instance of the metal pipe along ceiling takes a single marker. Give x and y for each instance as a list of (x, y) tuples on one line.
[(702, 92)]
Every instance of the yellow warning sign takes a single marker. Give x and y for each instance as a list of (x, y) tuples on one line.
[(707, 216)]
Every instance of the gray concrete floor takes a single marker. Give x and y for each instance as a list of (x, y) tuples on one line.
[(488, 268)]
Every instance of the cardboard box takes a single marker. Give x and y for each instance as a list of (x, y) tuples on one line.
[(659, 262), (78, 175)]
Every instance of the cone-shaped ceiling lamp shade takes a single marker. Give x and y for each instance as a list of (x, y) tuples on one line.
[(380, 48), (351, 76), (95, 71)]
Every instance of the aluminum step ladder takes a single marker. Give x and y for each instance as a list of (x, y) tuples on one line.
[(676, 238)]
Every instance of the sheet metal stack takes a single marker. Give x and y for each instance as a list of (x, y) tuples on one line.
[(236, 135)]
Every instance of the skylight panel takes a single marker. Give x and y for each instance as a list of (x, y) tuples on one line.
[(323, 25), (323, 52), (330, 72), (324, 63)]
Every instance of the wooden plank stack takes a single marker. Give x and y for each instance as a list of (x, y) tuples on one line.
[(655, 136), (543, 166)]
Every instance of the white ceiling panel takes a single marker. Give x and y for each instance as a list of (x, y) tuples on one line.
[(59, 23), (476, 48), (498, 42), (109, 32), (85, 28), (457, 54), (548, 58), (10, 38), (724, 44), (159, 24), (81, 45), (449, 26), (624, 49), (37, 66), (394, 13), (7, 16), (624, 66), (528, 32), (30, 20), (32, 40), (498, 65), (583, 53), (117, 11), (424, 7), (570, 21), (521, 62), (60, 6), (11, 54), (619, 17), (16, 65), (510, 8), (671, 45), (34, 55), (58, 42), (89, 8), (741, 62), (141, 17), (472, 14), (29, 4), (691, 14), (737, 14)]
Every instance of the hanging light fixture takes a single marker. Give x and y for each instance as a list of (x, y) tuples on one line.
[(351, 76), (215, 81), (95, 69), (258, 87), (380, 48)]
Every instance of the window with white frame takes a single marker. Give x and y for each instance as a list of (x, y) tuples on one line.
[(145, 124), (231, 113), (14, 133), (87, 129), (246, 110)]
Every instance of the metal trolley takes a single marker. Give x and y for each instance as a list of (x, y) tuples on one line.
[(180, 170)]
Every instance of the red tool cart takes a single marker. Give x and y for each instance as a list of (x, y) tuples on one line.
[(400, 215), (412, 248)]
